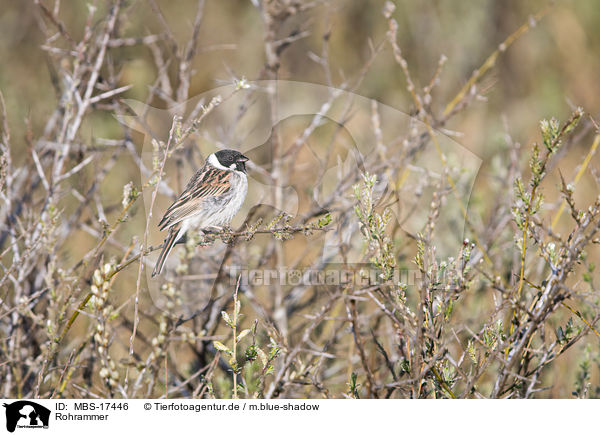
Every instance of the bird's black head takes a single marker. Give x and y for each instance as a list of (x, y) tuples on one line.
[(232, 159)]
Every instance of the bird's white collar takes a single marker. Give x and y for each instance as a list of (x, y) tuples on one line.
[(212, 159)]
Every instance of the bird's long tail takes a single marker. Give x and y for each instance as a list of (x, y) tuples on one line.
[(167, 246)]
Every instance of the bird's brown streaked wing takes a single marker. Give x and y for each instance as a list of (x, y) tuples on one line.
[(208, 182)]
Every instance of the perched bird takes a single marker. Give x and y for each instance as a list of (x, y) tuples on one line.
[(211, 199)]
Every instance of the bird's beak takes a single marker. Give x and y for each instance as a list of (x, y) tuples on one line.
[(241, 163)]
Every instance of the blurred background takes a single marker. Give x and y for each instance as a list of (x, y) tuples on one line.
[(543, 74)]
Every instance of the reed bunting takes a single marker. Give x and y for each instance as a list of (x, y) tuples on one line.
[(212, 198)]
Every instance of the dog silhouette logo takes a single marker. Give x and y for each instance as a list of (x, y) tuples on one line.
[(26, 414)]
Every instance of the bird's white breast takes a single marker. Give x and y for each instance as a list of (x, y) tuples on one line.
[(239, 187)]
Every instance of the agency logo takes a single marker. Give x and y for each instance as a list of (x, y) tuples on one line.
[(24, 414)]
